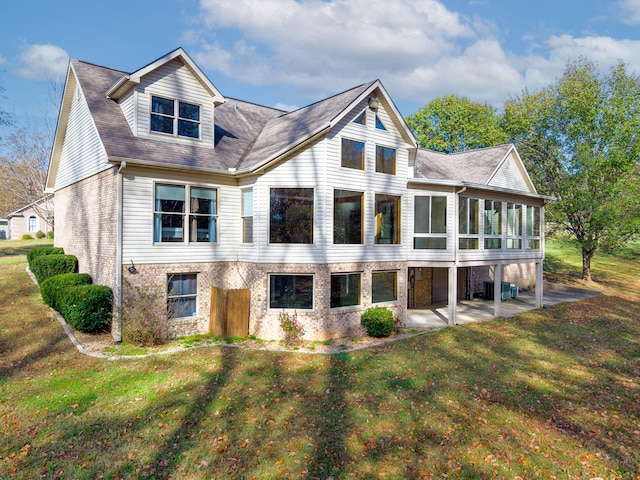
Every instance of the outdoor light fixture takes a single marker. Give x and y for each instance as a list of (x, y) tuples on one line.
[(132, 269), (373, 103)]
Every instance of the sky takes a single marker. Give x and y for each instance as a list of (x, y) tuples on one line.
[(290, 53)]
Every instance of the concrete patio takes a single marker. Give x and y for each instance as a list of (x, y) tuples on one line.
[(478, 309)]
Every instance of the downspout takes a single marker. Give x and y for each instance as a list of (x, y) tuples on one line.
[(118, 291)]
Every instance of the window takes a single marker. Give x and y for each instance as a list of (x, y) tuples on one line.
[(345, 290), (352, 154), (291, 291), (32, 223), (164, 119), (347, 217), (362, 118), (384, 287), (182, 295), (387, 219), (514, 226), (169, 214), (247, 215), (430, 219), (492, 224), (291, 215), (385, 160), (533, 227), (379, 124), (468, 224)]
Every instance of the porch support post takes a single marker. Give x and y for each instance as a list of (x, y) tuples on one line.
[(539, 285), (497, 291), (452, 294)]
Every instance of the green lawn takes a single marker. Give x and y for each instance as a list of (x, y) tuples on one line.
[(549, 394)]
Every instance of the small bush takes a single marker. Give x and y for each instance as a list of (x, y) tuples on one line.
[(87, 308), (26, 236), (51, 287), (40, 251), (47, 266), (40, 234), (293, 330), (144, 321), (378, 321), (50, 235)]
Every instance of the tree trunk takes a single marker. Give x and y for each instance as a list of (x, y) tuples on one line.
[(586, 263)]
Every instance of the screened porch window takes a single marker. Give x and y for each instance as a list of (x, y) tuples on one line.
[(291, 215), (492, 224), (291, 292), (514, 226), (533, 227), (345, 289), (468, 223), (347, 217), (430, 222)]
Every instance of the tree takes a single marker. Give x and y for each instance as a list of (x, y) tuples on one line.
[(6, 118), (452, 124), (580, 139)]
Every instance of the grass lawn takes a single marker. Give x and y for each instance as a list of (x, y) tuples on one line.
[(547, 394)]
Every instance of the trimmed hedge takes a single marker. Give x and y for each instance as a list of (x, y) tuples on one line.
[(87, 308), (51, 287), (378, 321), (40, 251), (47, 266)]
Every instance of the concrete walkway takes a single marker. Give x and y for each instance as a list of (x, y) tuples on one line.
[(478, 309)]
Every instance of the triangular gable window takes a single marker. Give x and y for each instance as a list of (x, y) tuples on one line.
[(379, 124), (362, 118)]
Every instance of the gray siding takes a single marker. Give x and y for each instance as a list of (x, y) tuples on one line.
[(509, 176)]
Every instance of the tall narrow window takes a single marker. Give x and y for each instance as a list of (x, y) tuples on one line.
[(514, 226), (387, 219), (291, 215), (291, 291), (430, 222), (492, 224), (468, 223), (247, 215), (169, 214), (203, 216), (182, 295), (385, 160), (345, 289), (352, 154), (533, 227), (384, 287), (347, 217), (32, 223)]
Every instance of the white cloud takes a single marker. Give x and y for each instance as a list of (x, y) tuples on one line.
[(43, 62), (419, 48), (630, 13)]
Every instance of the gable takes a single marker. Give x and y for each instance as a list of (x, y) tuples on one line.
[(511, 174)]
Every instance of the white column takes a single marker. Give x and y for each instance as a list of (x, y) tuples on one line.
[(453, 300), (539, 285), (497, 291)]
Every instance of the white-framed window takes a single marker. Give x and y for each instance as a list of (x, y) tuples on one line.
[(182, 295), (291, 215), (430, 222), (345, 289), (533, 228), (247, 215), (291, 291), (185, 213), (347, 217), (514, 226), (492, 225), (384, 286), (468, 223), (388, 219), (32, 224), (174, 117)]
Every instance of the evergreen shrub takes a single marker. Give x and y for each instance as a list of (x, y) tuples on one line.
[(47, 266), (87, 308), (40, 251), (378, 321), (51, 287)]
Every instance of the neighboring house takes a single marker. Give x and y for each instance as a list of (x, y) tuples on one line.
[(325, 211), (31, 219), (4, 229)]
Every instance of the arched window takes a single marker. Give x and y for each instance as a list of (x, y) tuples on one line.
[(32, 224)]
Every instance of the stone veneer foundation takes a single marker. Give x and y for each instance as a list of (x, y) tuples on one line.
[(321, 323)]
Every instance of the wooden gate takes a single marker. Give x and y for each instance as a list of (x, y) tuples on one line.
[(229, 312)]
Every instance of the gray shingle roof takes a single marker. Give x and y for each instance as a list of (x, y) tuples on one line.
[(476, 166), (246, 135)]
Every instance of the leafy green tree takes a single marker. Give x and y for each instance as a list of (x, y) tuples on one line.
[(580, 139), (452, 124)]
